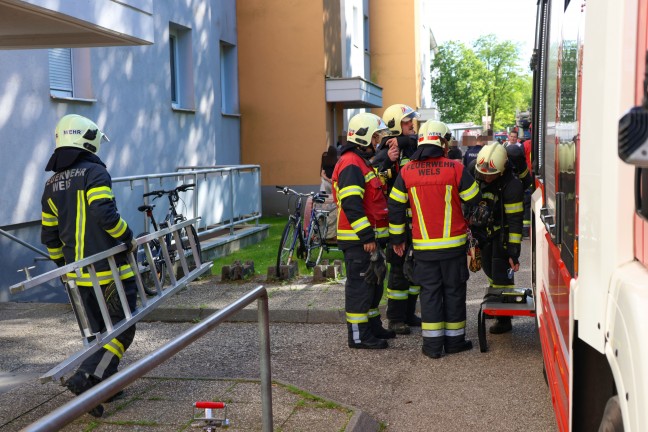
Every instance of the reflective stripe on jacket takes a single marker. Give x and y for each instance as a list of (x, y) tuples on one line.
[(361, 202), (434, 188), (80, 218)]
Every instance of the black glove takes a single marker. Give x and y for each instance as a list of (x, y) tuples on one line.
[(377, 269), (408, 264), (514, 252)]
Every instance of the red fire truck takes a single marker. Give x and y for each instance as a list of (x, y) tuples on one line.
[(590, 210)]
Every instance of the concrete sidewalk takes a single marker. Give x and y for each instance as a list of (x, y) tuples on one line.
[(319, 383), (30, 331)]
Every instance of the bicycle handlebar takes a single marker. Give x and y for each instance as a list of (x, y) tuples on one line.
[(287, 191), (159, 193)]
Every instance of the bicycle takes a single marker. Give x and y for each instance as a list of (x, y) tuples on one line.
[(171, 218), (312, 246)]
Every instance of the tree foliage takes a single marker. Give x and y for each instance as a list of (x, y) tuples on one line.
[(465, 79)]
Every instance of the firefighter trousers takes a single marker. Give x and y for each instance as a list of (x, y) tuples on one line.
[(496, 264), (402, 294), (443, 301), (361, 299), (104, 362)]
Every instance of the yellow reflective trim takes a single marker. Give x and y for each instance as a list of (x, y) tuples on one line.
[(397, 294), (524, 173), (369, 176), (350, 191), (469, 193), (442, 243), (104, 277), (417, 207), (414, 290), (119, 229), (52, 206), (433, 326), (373, 313), (113, 350), (398, 196), (101, 192), (360, 224), (48, 219), (347, 235), (396, 229), (447, 219), (79, 235), (356, 318), (455, 325), (492, 285), (381, 232), (515, 238), (513, 208), (489, 196), (119, 345), (55, 253), (404, 161)]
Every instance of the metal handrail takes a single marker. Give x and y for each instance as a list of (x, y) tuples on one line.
[(99, 393)]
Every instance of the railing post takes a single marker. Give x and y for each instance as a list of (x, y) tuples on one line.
[(231, 172), (264, 354)]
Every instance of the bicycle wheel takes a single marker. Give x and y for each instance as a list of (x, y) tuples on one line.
[(314, 245), (287, 245), (186, 244), (160, 266)]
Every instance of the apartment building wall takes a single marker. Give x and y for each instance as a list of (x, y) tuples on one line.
[(395, 46), (282, 91), (127, 93)]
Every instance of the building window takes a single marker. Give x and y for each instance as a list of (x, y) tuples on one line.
[(173, 45), (229, 79), (69, 73), (181, 67)]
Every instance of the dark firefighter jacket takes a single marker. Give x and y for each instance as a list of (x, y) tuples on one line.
[(434, 187), (361, 201), (517, 161), (80, 217), (407, 145), (504, 197)]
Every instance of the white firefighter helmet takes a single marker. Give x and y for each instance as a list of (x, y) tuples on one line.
[(433, 132), (395, 114), (362, 128), (77, 131), (491, 159)]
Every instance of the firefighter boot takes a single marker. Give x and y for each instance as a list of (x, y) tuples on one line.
[(360, 337), (399, 327), (502, 325), (433, 347), (457, 344), (413, 320), (378, 330), (81, 382)]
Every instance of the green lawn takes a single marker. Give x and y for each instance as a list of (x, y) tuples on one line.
[(264, 254)]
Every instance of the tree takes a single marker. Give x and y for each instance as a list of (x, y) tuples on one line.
[(457, 86), (466, 79), (504, 77)]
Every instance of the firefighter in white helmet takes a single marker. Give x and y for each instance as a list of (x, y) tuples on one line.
[(435, 187), (392, 154), (79, 219), (501, 237), (362, 231)]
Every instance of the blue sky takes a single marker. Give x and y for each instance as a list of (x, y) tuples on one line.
[(466, 20)]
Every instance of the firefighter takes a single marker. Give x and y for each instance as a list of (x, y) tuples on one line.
[(79, 219), (392, 154), (517, 160), (500, 240), (362, 231), (434, 187)]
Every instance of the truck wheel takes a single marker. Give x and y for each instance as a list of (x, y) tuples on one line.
[(612, 419)]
